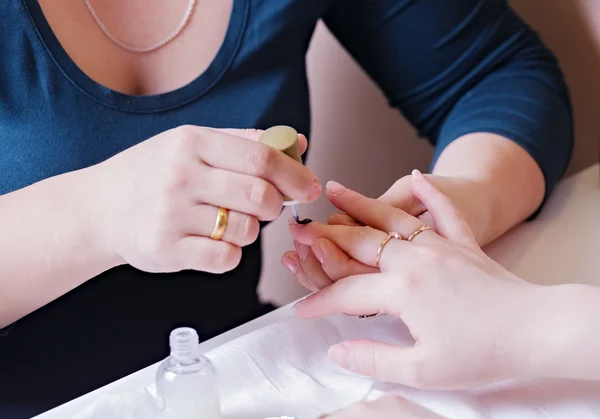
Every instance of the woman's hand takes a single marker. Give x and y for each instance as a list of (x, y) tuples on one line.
[(386, 407), (466, 194), (158, 201), (471, 319)]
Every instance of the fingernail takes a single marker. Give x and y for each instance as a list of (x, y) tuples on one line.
[(302, 250), (339, 354), (318, 252), (419, 176), (315, 190), (335, 188), (290, 264)]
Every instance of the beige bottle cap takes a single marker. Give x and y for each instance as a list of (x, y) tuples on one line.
[(284, 139)]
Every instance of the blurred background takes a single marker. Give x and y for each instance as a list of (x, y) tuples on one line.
[(379, 146)]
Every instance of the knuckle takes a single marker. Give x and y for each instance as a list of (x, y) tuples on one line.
[(366, 362), (402, 182), (263, 158), (364, 234), (313, 272), (259, 193), (411, 282), (177, 179), (184, 132), (185, 136), (432, 255), (166, 211)]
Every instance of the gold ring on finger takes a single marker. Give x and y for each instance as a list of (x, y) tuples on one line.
[(220, 224), (391, 235), (417, 232)]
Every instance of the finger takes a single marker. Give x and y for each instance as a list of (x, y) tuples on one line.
[(237, 154), (388, 363), (206, 255), (241, 229), (291, 261), (360, 243), (359, 294), (336, 263), (316, 278), (371, 212), (450, 224), (400, 196), (238, 192), (342, 219)]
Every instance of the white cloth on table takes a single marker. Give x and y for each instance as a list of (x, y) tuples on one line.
[(282, 370)]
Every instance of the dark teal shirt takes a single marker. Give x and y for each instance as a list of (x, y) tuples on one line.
[(451, 67)]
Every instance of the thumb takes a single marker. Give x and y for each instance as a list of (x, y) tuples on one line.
[(400, 196), (450, 224), (387, 363)]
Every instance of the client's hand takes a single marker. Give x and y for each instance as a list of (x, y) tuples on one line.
[(326, 264), (386, 407), (471, 318)]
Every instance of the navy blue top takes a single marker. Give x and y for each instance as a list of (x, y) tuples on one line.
[(451, 67)]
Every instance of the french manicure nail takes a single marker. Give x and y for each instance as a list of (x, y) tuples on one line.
[(335, 188), (419, 176), (318, 252), (339, 354), (290, 264), (316, 190)]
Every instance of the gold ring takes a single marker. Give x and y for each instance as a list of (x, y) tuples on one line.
[(220, 224), (417, 232), (391, 235)]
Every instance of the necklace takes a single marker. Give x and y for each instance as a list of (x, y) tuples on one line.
[(173, 35)]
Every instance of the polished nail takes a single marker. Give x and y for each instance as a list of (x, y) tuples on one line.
[(318, 252), (315, 190), (340, 354), (335, 188), (304, 222), (290, 264), (419, 176)]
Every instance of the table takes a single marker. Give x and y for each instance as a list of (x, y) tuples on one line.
[(561, 246)]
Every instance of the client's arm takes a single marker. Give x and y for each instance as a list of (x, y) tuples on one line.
[(480, 85)]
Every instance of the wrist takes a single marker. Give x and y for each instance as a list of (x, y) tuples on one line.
[(88, 187), (521, 333), (566, 340)]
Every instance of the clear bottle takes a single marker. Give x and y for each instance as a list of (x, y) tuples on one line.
[(186, 382)]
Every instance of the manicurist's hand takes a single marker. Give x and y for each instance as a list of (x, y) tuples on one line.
[(159, 201), (472, 320)]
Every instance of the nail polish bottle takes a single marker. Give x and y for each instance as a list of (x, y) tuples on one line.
[(186, 382)]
